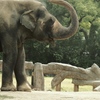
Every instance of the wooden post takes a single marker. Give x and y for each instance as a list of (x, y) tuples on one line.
[(58, 87), (32, 79), (38, 77), (76, 88), (0, 65)]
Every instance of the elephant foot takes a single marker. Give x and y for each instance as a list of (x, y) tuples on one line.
[(10, 87), (24, 87)]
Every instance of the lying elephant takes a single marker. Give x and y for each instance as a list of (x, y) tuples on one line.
[(25, 19)]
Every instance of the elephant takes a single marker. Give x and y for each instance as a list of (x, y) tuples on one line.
[(21, 20)]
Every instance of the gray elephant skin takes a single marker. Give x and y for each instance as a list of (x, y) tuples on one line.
[(25, 19)]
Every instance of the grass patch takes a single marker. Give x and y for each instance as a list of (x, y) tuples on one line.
[(66, 85), (3, 97)]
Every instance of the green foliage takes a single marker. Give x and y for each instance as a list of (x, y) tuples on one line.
[(1, 55), (83, 49)]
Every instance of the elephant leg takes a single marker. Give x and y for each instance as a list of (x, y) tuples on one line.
[(22, 84), (9, 61)]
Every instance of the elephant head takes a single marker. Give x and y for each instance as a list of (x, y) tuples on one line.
[(45, 27)]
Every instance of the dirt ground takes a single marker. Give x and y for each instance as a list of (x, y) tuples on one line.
[(44, 95)]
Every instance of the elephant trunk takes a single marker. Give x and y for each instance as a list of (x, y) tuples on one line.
[(60, 32)]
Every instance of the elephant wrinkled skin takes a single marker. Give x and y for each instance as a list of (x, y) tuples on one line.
[(27, 19)]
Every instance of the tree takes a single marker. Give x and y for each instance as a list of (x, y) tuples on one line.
[(83, 49), (89, 26)]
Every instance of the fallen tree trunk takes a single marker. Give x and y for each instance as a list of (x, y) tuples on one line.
[(77, 74)]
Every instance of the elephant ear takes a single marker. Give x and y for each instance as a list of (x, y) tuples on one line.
[(28, 20)]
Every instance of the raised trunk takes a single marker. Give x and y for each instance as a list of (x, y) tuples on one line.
[(60, 32)]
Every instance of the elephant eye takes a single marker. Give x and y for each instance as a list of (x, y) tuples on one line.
[(40, 13), (51, 21)]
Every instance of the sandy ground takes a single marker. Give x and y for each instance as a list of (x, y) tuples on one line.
[(39, 95)]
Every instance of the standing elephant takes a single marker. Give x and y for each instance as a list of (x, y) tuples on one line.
[(25, 19)]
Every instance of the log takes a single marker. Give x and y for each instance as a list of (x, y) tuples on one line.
[(76, 88), (67, 74), (56, 68), (29, 65), (38, 77), (86, 82), (58, 87), (79, 75), (97, 88)]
